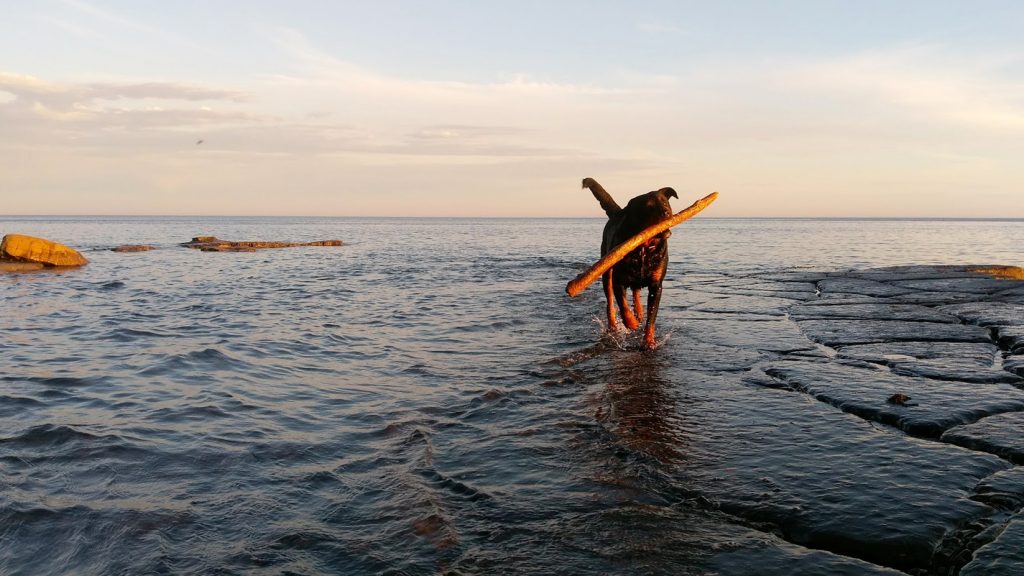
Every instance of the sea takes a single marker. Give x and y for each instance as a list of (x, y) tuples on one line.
[(424, 399)]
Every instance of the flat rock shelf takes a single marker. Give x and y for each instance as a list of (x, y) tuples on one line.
[(926, 486)]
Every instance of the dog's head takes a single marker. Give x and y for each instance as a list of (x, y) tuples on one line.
[(654, 205), (649, 209), (668, 192)]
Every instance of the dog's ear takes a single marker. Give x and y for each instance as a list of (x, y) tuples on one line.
[(669, 192)]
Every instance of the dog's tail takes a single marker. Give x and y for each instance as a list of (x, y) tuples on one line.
[(607, 202)]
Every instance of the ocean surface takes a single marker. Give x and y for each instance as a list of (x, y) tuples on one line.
[(424, 399)]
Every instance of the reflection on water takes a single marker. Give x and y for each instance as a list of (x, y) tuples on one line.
[(637, 408)]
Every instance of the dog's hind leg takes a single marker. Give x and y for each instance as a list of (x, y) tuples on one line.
[(637, 308), (627, 313), (609, 296)]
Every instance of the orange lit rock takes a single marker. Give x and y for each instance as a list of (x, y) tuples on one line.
[(1009, 272), (23, 248)]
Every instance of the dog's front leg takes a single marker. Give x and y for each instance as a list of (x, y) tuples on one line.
[(653, 300), (627, 313), (609, 296)]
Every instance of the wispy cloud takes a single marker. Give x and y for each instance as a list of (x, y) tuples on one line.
[(118, 22), (927, 83), (78, 30), (652, 25)]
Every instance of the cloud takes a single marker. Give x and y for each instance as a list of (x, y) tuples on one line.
[(771, 134), (927, 83), (105, 105), (24, 85), (117, 23)]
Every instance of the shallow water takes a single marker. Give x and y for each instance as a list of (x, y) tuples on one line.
[(423, 399)]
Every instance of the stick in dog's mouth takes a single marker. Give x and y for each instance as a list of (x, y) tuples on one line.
[(580, 283)]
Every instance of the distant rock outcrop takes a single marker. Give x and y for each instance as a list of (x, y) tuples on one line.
[(214, 244), (19, 248), (133, 248)]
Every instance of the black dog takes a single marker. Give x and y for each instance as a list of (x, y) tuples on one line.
[(642, 268)]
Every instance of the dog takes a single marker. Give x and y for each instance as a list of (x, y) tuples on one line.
[(645, 266)]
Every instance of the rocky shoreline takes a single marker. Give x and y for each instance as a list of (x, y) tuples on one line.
[(929, 483), (21, 253)]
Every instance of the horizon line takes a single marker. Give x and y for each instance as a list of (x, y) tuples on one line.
[(409, 217)]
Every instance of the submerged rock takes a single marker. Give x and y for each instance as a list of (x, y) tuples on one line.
[(999, 434), (1015, 364), (8, 266), (1004, 489), (938, 405), (21, 248), (214, 244), (829, 481), (844, 332), (1004, 555), (133, 248)]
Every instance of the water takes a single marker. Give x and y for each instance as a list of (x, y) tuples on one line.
[(423, 399)]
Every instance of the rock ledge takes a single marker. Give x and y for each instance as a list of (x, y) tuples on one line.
[(214, 244)]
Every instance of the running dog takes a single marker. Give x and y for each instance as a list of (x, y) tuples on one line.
[(642, 268)]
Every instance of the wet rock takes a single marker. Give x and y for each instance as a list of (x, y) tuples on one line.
[(971, 285), (860, 286), (1011, 338), (695, 355), (1015, 294), (913, 272), (21, 248), (214, 244), (973, 353), (739, 304), (955, 361), (1004, 489), (871, 311), (133, 248), (764, 335), (935, 298), (988, 313), (809, 277), (844, 332), (830, 481), (899, 399), (758, 288), (954, 371), (1003, 556), (1014, 364), (999, 434), (939, 405)]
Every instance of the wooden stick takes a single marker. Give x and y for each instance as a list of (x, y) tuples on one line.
[(579, 283)]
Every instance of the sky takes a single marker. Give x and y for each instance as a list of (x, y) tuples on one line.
[(816, 108)]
